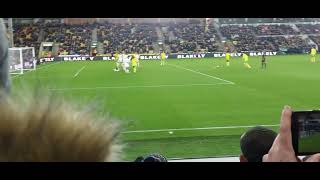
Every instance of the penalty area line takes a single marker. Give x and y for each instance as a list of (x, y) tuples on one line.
[(126, 87), (78, 72), (194, 129), (197, 72)]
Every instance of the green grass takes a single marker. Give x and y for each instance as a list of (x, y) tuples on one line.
[(257, 97), (309, 143)]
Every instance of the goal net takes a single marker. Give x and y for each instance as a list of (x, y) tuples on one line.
[(21, 59)]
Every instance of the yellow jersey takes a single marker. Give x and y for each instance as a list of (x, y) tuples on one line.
[(245, 57), (313, 51), (116, 56), (227, 56), (134, 61), (163, 55)]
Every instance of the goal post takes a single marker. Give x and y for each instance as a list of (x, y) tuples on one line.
[(21, 59)]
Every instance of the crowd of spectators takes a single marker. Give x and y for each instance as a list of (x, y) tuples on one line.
[(309, 28), (129, 38), (193, 37), (316, 39), (265, 20), (26, 35), (246, 38), (242, 37), (187, 37), (73, 39), (275, 30), (293, 44)]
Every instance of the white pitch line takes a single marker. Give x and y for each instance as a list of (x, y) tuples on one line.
[(126, 87), (193, 129), (77, 73), (197, 72), (37, 69)]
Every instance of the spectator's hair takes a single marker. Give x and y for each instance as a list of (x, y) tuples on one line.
[(256, 142), (139, 159), (155, 158), (42, 128)]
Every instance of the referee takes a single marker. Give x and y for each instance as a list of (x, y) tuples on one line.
[(263, 62)]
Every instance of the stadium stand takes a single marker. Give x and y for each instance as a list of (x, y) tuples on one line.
[(309, 28), (275, 30), (73, 39), (178, 36), (316, 39), (26, 35), (245, 38), (127, 37), (193, 37)]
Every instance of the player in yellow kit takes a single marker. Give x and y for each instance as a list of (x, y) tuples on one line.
[(138, 59), (116, 58), (134, 63), (163, 58), (228, 59), (245, 58), (313, 54)]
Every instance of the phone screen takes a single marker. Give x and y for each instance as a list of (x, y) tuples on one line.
[(306, 132)]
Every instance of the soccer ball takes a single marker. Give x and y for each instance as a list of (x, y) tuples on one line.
[(170, 132)]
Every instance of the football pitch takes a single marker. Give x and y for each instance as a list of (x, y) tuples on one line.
[(187, 108)]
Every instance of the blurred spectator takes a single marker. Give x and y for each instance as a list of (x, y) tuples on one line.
[(152, 158), (56, 131), (255, 143), (139, 159), (4, 58)]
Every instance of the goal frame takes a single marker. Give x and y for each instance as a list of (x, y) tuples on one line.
[(22, 69)]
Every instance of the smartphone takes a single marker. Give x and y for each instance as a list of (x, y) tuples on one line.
[(305, 128)]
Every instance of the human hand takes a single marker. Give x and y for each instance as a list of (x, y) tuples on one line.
[(282, 149), (312, 158)]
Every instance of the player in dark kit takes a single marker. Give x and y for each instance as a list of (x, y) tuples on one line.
[(263, 62)]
